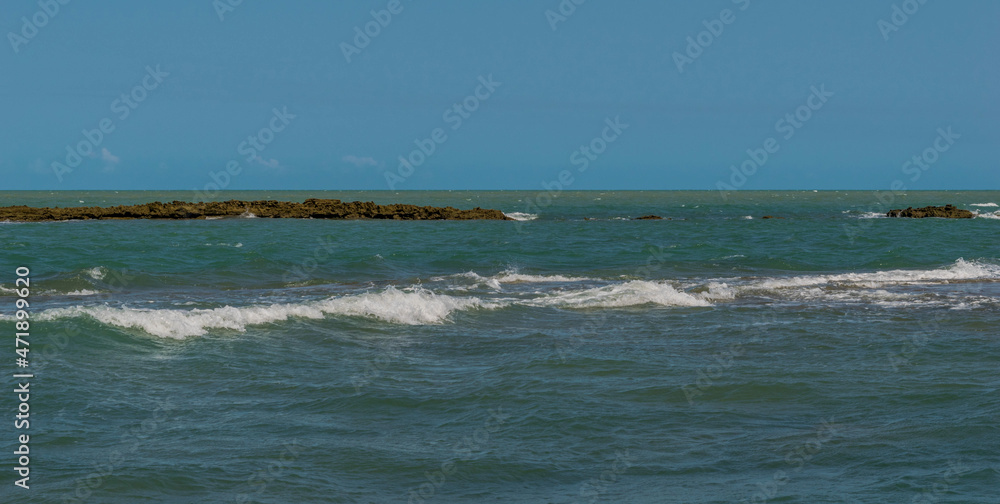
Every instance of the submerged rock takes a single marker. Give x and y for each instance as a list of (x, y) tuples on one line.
[(947, 212), (311, 209)]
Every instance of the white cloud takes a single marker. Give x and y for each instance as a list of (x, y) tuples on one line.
[(360, 162), (268, 163), (110, 160), (108, 157), (40, 167)]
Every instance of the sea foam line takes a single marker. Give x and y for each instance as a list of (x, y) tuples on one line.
[(632, 293), (409, 307), (510, 276), (419, 306), (959, 270)]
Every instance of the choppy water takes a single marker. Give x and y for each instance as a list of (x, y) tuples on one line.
[(572, 356)]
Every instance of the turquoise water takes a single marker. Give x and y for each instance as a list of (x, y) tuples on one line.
[(572, 356)]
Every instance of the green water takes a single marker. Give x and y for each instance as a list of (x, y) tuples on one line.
[(829, 355)]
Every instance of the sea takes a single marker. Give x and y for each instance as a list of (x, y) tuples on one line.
[(827, 354)]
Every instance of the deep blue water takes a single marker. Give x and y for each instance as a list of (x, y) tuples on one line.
[(829, 355)]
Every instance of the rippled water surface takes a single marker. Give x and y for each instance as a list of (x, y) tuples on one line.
[(827, 354)]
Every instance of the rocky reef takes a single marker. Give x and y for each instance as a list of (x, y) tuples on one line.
[(947, 212), (310, 209)]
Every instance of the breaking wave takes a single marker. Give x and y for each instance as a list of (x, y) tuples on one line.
[(960, 270), (521, 216), (419, 305), (633, 293), (409, 307)]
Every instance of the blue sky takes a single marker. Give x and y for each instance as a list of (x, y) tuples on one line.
[(219, 78)]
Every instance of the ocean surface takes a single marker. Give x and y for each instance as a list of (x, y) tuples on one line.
[(827, 355)]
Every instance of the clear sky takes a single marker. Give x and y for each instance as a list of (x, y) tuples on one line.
[(180, 86)]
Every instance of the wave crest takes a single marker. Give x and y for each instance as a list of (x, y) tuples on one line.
[(633, 293), (409, 307)]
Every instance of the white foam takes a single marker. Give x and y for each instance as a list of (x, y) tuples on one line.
[(521, 216), (984, 204), (515, 277), (987, 215), (505, 277), (717, 291), (468, 274), (960, 270), (634, 293), (247, 215), (872, 215), (871, 296), (82, 292), (97, 273), (408, 307)]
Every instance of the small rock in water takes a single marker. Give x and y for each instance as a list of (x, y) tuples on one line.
[(946, 212)]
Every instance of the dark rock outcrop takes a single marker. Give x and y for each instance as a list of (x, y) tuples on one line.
[(771, 217), (311, 208), (649, 217), (947, 212)]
